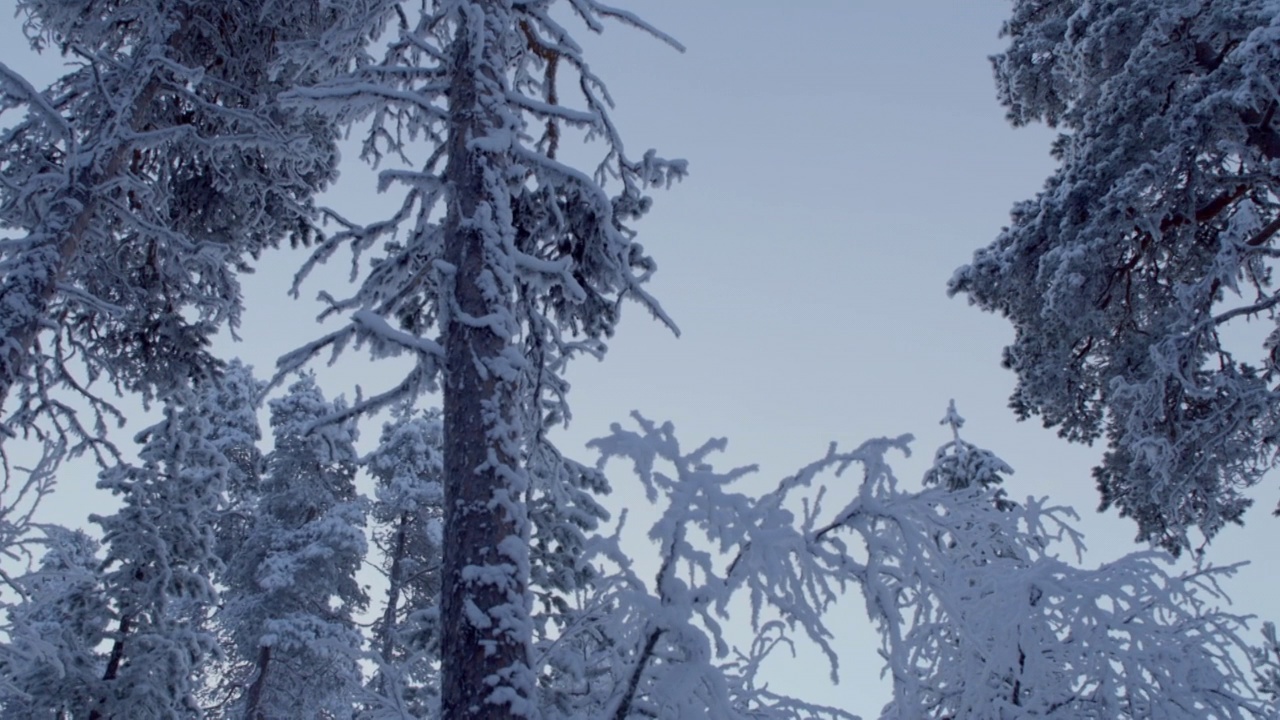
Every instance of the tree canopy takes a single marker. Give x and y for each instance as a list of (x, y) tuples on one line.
[(233, 578), (1154, 240)]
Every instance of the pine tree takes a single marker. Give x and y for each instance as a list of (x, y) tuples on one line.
[(160, 564), (291, 587), (524, 270), (1149, 244), (232, 407), (142, 182), (52, 661), (408, 467)]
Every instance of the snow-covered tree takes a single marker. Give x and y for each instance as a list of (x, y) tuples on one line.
[(52, 663), (633, 648), (137, 186), (508, 263), (160, 563), (1154, 239), (1128, 640), (408, 513), (1266, 658), (979, 617), (232, 403), (291, 587)]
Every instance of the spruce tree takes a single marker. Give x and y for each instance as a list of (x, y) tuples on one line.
[(291, 588), (232, 406), (160, 566), (408, 513), (52, 661)]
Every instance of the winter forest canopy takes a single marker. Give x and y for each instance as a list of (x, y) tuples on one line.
[(214, 507)]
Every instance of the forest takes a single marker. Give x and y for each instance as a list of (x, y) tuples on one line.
[(389, 514)]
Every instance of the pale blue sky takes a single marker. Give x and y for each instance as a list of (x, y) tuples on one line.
[(845, 157)]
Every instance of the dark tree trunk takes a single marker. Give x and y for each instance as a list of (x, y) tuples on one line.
[(395, 584), (114, 661), (386, 634), (253, 697), (484, 618)]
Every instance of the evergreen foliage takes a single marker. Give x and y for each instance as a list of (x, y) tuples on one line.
[(511, 263), (159, 568), (292, 591), (139, 184), (52, 663), (408, 517), (232, 403), (192, 136), (1154, 236)]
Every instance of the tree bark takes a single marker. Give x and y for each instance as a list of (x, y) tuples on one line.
[(394, 584), (253, 696), (113, 663), (385, 638), (484, 607)]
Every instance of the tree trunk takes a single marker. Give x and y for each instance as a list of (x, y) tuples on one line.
[(253, 697), (484, 605), (113, 664), (386, 634)]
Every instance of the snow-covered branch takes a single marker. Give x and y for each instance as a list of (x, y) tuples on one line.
[(979, 615)]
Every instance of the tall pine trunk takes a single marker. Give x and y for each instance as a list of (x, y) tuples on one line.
[(484, 606)]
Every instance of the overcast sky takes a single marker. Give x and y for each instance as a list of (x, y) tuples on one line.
[(845, 157)]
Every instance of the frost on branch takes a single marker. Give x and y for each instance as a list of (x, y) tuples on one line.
[(636, 648), (232, 402), (408, 517), (1266, 658), (565, 252), (1156, 236), (959, 464), (137, 187), (981, 618), (52, 661), (22, 490), (161, 558), (978, 616), (292, 591)]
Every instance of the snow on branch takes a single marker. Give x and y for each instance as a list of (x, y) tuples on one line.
[(979, 616), (15, 85), (662, 650), (590, 11), (566, 245), (1121, 312), (22, 491)]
